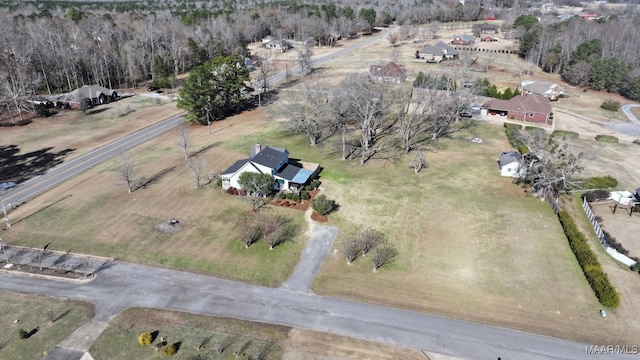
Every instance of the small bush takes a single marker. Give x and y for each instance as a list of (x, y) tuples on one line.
[(169, 349), (322, 205), (596, 195), (566, 134), (636, 141), (304, 195), (611, 105), (607, 139), (289, 196), (315, 184), (144, 339), (282, 196), (219, 183), (309, 187), (601, 182), (295, 197), (24, 334)]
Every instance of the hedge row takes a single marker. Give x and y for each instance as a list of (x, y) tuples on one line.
[(599, 281), (513, 131), (566, 134), (607, 138)]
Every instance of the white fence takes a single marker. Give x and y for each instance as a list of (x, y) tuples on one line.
[(596, 227)]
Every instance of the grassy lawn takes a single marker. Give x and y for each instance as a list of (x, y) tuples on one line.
[(101, 218), (36, 312), (254, 340)]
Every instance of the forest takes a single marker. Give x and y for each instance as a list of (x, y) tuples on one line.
[(57, 46)]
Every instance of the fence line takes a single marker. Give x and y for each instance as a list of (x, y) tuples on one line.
[(596, 227)]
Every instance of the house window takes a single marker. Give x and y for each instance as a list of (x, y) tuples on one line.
[(280, 181)]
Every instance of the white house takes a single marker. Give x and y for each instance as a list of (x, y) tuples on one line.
[(509, 164), (287, 174)]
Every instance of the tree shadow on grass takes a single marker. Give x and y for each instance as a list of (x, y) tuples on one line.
[(18, 167), (155, 178), (61, 316), (154, 335), (97, 111)]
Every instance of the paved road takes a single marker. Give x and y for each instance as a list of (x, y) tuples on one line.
[(66, 170), (626, 109), (125, 285)]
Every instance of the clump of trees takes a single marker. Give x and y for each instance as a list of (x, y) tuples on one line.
[(214, 89), (274, 229), (611, 105), (369, 240), (145, 339), (586, 53)]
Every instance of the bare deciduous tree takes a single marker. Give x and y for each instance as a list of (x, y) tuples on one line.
[(393, 38), (304, 56), (350, 249), (276, 229), (126, 171), (184, 140), (266, 69), (308, 112), (383, 255), (249, 232), (197, 166), (368, 239), (550, 167), (418, 162)]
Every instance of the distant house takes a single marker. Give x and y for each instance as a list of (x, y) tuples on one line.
[(533, 108), (93, 94), (488, 38), (548, 89), (438, 52), (510, 163), (458, 39), (391, 72), (588, 16), (287, 174), (485, 28), (271, 43)]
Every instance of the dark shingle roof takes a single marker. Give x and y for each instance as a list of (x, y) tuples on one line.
[(288, 172), (390, 70), (509, 157), (439, 49), (235, 167), (270, 157)]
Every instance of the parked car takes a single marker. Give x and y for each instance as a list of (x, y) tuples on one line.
[(466, 114), (7, 186), (476, 107), (153, 88)]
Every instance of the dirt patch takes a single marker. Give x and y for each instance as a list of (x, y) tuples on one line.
[(621, 226), (169, 226)]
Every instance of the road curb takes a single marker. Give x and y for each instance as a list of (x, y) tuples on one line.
[(89, 277), (78, 255)]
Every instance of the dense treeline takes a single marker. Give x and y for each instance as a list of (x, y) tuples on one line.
[(599, 55)]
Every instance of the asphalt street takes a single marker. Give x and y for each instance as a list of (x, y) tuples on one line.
[(68, 169), (125, 285)]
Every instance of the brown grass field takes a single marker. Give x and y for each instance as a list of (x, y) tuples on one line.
[(37, 312), (472, 244), (120, 339)]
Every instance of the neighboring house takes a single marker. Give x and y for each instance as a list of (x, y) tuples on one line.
[(548, 89), (488, 38), (438, 52), (287, 174), (281, 45), (458, 39), (588, 16), (485, 28), (391, 72), (533, 108), (510, 163), (95, 94)]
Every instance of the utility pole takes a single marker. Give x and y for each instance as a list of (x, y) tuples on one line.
[(6, 218), (208, 118)]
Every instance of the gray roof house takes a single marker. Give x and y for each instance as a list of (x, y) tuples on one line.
[(548, 89), (95, 93), (509, 164), (287, 174), (438, 52)]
